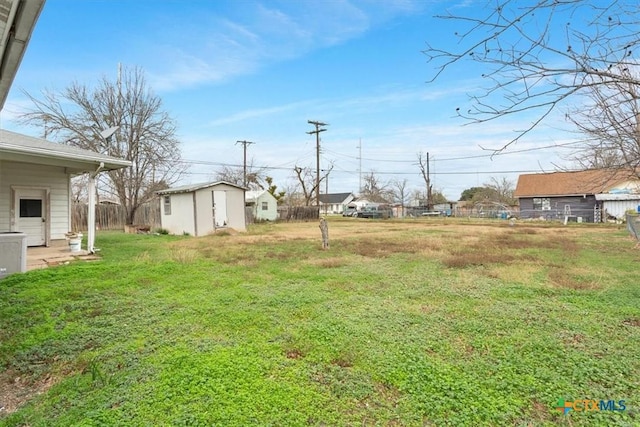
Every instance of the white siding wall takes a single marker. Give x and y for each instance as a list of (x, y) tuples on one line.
[(53, 178), (181, 218), (204, 211), (235, 207), (271, 214)]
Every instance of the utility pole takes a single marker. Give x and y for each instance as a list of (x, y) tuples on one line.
[(360, 167), (317, 125), (244, 175)]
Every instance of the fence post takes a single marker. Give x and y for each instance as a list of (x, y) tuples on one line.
[(633, 226)]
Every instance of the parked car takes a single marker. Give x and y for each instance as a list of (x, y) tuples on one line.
[(379, 211), (349, 211)]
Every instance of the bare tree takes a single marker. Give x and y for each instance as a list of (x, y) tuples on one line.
[(146, 134), (306, 179), (423, 164), (537, 54), (499, 190), (235, 175), (611, 123), (400, 193), (375, 190), (79, 186)]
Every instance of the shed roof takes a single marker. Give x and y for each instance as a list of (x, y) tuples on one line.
[(592, 181), (334, 197), (27, 149), (195, 187)]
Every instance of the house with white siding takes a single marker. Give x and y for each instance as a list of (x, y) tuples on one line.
[(35, 185), (335, 202), (263, 205), (201, 209)]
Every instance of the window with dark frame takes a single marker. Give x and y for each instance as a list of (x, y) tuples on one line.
[(265, 206), (30, 208), (541, 204)]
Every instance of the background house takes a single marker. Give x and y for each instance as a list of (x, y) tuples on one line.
[(201, 209), (262, 204), (616, 205), (569, 194), (35, 186), (335, 202)]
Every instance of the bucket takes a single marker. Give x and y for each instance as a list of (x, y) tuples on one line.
[(74, 244)]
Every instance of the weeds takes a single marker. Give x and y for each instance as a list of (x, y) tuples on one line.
[(399, 323)]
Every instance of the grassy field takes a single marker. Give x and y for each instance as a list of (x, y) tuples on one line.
[(424, 322)]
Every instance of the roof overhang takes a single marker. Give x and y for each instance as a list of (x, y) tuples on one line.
[(26, 149), (17, 20), (617, 196), (73, 163), (531, 196)]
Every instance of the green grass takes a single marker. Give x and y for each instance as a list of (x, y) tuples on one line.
[(420, 322)]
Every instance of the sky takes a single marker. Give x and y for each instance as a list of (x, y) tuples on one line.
[(260, 70)]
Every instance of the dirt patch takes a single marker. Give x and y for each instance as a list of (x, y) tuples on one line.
[(633, 321), (380, 247), (343, 362), (463, 258), (566, 279), (333, 262), (294, 354), (15, 391)]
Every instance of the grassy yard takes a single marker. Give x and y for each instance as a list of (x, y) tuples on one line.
[(424, 322)]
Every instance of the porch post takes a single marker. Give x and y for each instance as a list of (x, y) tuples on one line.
[(91, 210), (91, 213)]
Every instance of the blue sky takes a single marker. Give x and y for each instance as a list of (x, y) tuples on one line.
[(258, 70)]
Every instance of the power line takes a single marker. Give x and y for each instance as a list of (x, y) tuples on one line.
[(475, 156)]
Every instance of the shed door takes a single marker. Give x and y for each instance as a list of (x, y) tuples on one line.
[(31, 218), (220, 208)]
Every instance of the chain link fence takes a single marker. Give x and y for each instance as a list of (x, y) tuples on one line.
[(633, 225)]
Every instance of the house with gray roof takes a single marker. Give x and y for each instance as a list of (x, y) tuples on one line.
[(334, 203), (35, 186)]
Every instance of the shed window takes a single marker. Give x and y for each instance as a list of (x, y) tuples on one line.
[(541, 204), (265, 206), (167, 205)]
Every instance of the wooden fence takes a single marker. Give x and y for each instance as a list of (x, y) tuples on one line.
[(113, 217), (298, 213)]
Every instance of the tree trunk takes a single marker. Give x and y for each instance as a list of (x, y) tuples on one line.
[(324, 229)]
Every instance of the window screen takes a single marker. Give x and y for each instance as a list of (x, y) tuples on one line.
[(30, 208)]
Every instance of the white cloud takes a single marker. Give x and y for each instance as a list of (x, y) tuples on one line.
[(214, 49)]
